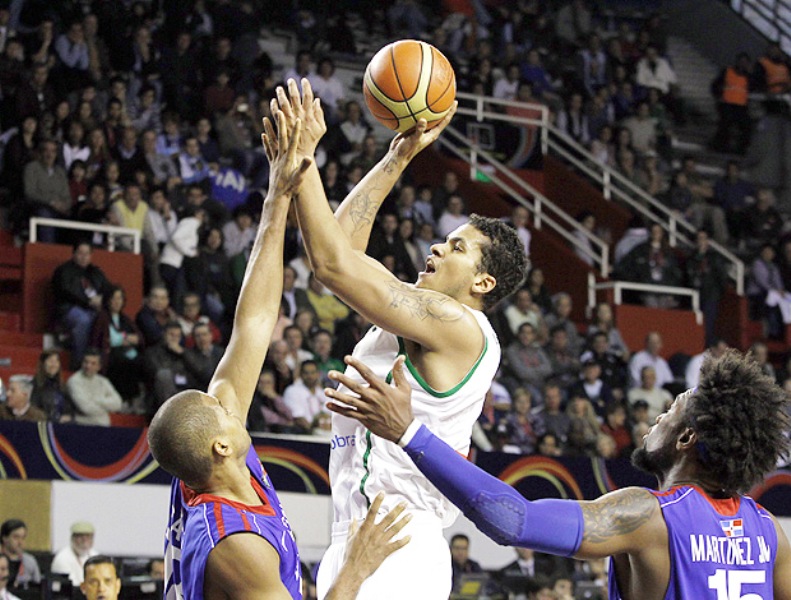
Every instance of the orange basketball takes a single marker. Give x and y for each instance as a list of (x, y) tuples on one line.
[(406, 81)]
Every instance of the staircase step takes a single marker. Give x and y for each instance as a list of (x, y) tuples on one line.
[(10, 321), (19, 339)]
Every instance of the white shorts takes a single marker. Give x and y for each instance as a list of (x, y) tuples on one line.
[(419, 571)]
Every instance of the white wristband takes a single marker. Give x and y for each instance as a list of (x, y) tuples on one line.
[(409, 433)]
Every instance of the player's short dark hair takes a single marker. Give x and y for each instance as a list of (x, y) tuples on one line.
[(503, 258), (179, 437), (99, 559), (740, 417)]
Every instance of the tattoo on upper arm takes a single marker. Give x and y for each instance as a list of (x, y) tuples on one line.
[(620, 514), (422, 304)]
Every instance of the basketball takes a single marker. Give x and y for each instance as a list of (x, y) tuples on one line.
[(406, 81)]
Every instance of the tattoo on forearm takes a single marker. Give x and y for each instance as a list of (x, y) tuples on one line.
[(621, 514), (363, 206), (423, 305)]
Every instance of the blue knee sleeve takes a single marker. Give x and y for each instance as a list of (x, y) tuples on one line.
[(497, 509)]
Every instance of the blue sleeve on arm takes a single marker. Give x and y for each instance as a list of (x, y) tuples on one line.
[(497, 509)]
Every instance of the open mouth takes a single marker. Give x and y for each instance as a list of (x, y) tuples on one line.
[(429, 266)]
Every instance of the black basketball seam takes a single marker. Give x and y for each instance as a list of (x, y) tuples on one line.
[(447, 87), (398, 80), (373, 83), (381, 91)]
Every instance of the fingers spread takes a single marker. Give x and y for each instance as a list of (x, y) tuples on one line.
[(307, 94)]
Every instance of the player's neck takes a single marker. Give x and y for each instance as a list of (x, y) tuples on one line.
[(232, 481), (689, 476)]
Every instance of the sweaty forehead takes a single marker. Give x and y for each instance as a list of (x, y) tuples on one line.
[(470, 235)]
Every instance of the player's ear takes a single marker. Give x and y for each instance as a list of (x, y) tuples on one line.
[(221, 447), (483, 283), (687, 439)]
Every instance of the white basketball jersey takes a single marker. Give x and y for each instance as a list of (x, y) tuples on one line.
[(362, 464)]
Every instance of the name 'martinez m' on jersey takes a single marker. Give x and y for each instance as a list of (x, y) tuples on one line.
[(719, 549), (198, 522), (362, 464)]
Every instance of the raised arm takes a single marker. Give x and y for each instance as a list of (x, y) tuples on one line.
[(236, 376), (616, 523), (357, 279)]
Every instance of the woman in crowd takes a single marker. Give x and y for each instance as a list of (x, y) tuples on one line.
[(48, 390)]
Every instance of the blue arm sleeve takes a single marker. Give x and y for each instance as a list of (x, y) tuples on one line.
[(497, 509)]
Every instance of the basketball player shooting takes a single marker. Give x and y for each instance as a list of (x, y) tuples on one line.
[(697, 537), (437, 323), (227, 535)]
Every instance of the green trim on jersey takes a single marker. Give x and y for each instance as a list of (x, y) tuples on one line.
[(426, 387), (366, 456)]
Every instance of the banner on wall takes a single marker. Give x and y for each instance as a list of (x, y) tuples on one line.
[(47, 451)]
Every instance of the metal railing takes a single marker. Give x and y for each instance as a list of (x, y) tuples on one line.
[(618, 288), (542, 209), (112, 231), (612, 183), (771, 17)]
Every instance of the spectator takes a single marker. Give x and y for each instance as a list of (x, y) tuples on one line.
[(210, 276), (611, 364), (48, 392), (35, 97), (192, 167), (769, 300), (760, 354), (46, 188), (78, 287), (99, 155), (120, 343), (549, 445), (626, 162), (636, 233), (145, 113), (604, 322), (650, 178), (583, 247), (198, 198), (522, 309), (573, 23), (642, 420), (556, 422), (505, 87), (649, 357), (441, 196), (602, 148), (732, 89), (238, 137), (209, 148), (17, 406), (92, 394), (657, 397), (295, 297), (19, 151), (154, 315), (653, 71), (303, 67), (518, 220), (584, 428), (192, 315), (268, 412), (165, 367), (327, 307), (23, 568), (525, 426), (386, 241), (615, 426), (706, 273), (692, 374), (202, 359), (593, 387), (573, 121), (276, 363), (592, 66), (733, 194), (239, 232), (180, 78), (327, 86), (74, 148), (526, 360), (762, 222), (460, 559), (561, 316), (4, 579), (219, 96), (161, 166), (305, 397), (538, 290), (129, 155), (169, 140), (652, 262), (348, 333), (321, 344), (158, 226), (130, 211), (772, 74), (71, 559), (643, 129), (183, 243), (564, 361), (295, 353)]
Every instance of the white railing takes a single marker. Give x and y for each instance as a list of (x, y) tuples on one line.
[(542, 209), (612, 183), (618, 287), (112, 231), (771, 17)]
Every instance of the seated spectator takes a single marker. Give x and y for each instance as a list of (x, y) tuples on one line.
[(295, 297), (593, 387), (526, 359), (602, 147), (592, 66), (460, 559), (192, 315), (209, 148), (210, 276), (121, 344), (564, 361), (154, 315), (78, 287), (145, 113), (761, 222), (651, 179), (182, 244), (526, 426), (321, 344), (130, 211), (130, 156), (505, 87), (573, 121), (769, 300), (92, 394), (192, 167), (560, 316), (541, 295), (204, 355), (238, 137), (442, 194), (657, 397), (760, 354), (166, 371), (452, 217), (653, 71), (159, 224), (549, 445), (616, 426), (19, 151), (46, 188), (604, 322), (23, 568), (49, 393), (636, 233), (240, 231), (197, 198), (17, 406), (649, 357), (327, 86), (424, 239), (169, 141), (160, 166), (601, 115), (732, 193), (703, 211), (296, 354), (305, 397), (268, 412), (643, 129), (653, 262), (556, 421), (613, 367), (74, 148), (772, 73), (584, 428), (327, 307), (518, 220), (707, 273), (276, 363), (583, 247), (219, 95), (522, 309), (71, 559)]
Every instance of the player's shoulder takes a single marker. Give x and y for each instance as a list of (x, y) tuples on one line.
[(243, 560)]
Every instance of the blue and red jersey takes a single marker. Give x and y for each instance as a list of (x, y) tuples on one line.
[(198, 522), (718, 548)]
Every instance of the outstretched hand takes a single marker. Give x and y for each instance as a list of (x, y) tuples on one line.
[(286, 167), (405, 146), (304, 107), (382, 408)]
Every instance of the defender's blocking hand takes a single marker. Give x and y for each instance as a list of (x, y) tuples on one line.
[(286, 167), (305, 107)]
